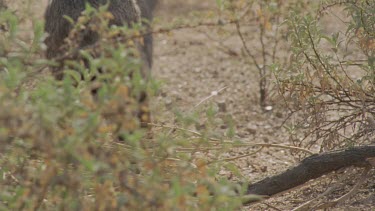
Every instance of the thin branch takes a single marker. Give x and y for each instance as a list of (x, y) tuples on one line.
[(213, 94), (363, 178), (236, 157), (241, 144)]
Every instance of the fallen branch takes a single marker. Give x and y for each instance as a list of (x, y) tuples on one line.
[(313, 167)]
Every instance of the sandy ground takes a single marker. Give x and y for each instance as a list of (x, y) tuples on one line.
[(191, 67)]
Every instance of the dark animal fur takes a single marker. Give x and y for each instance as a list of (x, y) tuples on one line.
[(124, 12)]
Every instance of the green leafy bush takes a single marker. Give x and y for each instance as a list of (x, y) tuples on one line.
[(59, 143), (328, 84)]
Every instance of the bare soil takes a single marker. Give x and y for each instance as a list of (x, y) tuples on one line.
[(192, 66)]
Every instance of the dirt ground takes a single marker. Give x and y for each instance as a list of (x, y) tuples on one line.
[(191, 67)]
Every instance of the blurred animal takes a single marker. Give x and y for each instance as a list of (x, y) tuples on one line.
[(125, 12), (2, 5)]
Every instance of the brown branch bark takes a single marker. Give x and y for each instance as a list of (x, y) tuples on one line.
[(313, 167)]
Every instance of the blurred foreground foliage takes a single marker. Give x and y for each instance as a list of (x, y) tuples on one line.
[(59, 145)]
